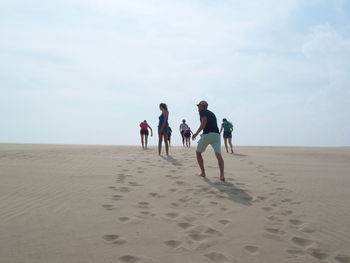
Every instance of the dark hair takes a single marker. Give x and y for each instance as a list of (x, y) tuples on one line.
[(183, 120), (224, 119), (164, 106)]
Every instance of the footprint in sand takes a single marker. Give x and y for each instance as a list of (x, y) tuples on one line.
[(217, 257), (295, 222), (198, 237), (110, 238), (172, 215), (266, 208), (184, 225), (296, 252), (273, 233), (342, 258), (180, 183), (189, 218), (303, 242), (123, 219), (172, 243), (318, 253), (156, 195), (287, 212), (117, 197), (129, 259), (144, 205), (174, 204), (124, 189), (262, 198), (134, 184), (114, 239), (224, 221), (253, 250), (145, 213), (201, 232), (307, 228), (185, 199), (108, 207)]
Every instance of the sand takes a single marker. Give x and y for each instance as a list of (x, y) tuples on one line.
[(73, 203)]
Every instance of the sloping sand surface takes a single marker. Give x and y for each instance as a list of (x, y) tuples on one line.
[(70, 203)]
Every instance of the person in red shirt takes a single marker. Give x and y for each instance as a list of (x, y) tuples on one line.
[(144, 133)]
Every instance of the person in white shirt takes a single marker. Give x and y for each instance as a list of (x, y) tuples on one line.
[(183, 127)]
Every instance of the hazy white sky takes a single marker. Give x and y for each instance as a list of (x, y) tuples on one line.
[(89, 72)]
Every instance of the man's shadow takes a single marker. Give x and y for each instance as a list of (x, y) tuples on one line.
[(171, 160), (231, 192)]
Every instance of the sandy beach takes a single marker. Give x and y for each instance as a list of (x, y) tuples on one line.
[(74, 203)]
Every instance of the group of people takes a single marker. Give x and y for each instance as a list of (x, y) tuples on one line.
[(210, 135)]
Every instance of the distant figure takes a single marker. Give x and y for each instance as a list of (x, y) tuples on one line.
[(144, 133), (210, 136), (228, 128), (182, 128), (169, 135), (187, 134), (163, 128)]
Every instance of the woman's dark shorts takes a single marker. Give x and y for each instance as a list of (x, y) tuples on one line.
[(144, 132), (187, 135), (227, 134)]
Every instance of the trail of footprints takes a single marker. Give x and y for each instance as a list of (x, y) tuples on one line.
[(196, 236), (280, 219)]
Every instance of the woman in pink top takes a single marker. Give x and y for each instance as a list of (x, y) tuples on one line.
[(144, 133)]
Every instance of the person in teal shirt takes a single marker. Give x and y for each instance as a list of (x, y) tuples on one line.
[(228, 128)]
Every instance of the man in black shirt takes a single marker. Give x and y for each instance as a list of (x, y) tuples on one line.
[(210, 135)]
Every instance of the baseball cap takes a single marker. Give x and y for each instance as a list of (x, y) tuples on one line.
[(203, 102)]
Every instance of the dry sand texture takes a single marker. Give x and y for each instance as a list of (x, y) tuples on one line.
[(66, 203)]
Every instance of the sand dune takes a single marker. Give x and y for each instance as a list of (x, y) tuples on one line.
[(70, 203)]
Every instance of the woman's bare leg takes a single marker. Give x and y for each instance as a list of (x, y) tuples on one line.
[(230, 142), (146, 141), (160, 143), (166, 142), (142, 141), (225, 140)]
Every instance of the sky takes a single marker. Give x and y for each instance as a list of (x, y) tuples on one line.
[(89, 71)]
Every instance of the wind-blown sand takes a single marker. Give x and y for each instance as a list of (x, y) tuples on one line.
[(66, 203)]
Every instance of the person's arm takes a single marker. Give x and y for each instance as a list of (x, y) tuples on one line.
[(150, 129), (221, 128), (204, 121)]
